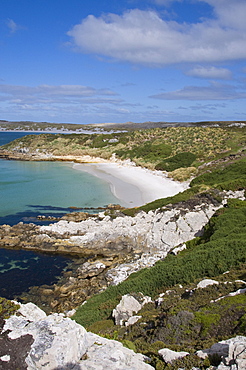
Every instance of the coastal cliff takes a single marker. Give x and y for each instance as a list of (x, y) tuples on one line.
[(161, 249), (114, 246)]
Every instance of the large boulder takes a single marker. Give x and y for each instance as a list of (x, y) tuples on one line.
[(104, 354), (232, 352), (206, 282), (31, 340), (127, 307), (169, 356), (56, 340)]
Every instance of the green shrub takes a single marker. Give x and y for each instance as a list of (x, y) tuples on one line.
[(7, 308), (148, 151), (206, 320), (129, 344), (159, 203), (218, 253), (232, 177), (184, 159)]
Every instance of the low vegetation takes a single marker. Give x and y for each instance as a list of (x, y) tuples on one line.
[(222, 248), (7, 308), (164, 148), (188, 318)]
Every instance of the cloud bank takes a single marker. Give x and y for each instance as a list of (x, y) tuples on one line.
[(215, 91), (143, 37), (210, 72), (76, 100)]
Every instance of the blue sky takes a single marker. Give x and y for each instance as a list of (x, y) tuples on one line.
[(122, 60)]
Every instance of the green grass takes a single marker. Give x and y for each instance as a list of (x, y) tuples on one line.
[(231, 177), (204, 258), (7, 308), (148, 147), (184, 159)]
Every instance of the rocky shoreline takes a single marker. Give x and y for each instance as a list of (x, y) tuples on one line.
[(24, 154), (106, 248)]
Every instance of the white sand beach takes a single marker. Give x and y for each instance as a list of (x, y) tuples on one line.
[(132, 185)]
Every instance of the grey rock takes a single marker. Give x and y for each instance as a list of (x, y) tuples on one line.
[(206, 282), (57, 340), (104, 354), (127, 307), (60, 343), (169, 356), (132, 320), (232, 352)]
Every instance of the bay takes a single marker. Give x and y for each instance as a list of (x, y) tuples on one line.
[(28, 189)]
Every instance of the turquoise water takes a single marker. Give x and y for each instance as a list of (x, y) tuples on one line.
[(31, 188), (28, 189)]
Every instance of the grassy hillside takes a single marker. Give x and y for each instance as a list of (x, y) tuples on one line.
[(167, 149), (184, 321), (222, 247), (215, 158)]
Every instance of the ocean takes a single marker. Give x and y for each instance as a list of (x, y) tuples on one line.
[(28, 189)]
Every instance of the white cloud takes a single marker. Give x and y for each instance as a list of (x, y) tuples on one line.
[(53, 92), (12, 26), (65, 102), (47, 98), (165, 2), (143, 37), (210, 72), (214, 91), (229, 13)]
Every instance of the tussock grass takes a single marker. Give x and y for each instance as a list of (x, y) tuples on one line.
[(223, 248)]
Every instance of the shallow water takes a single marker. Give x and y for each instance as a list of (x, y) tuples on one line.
[(28, 189)]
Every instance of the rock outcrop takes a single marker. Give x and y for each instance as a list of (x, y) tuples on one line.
[(120, 245), (231, 351), (31, 340), (169, 356), (129, 305)]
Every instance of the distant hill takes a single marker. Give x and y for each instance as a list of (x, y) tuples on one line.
[(107, 126)]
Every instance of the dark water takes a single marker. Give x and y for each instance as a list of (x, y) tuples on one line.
[(6, 137), (19, 270), (28, 189)]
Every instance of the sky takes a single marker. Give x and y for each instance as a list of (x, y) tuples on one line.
[(97, 61)]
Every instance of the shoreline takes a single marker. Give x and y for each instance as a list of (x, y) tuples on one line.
[(133, 186)]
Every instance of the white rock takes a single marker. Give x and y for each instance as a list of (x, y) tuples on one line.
[(104, 354), (168, 355), (156, 232), (127, 307), (31, 311), (232, 294), (5, 358), (132, 320), (61, 343), (70, 313), (57, 340), (206, 282), (232, 352), (179, 249)]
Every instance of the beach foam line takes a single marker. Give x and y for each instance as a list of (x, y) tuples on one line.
[(133, 186)]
